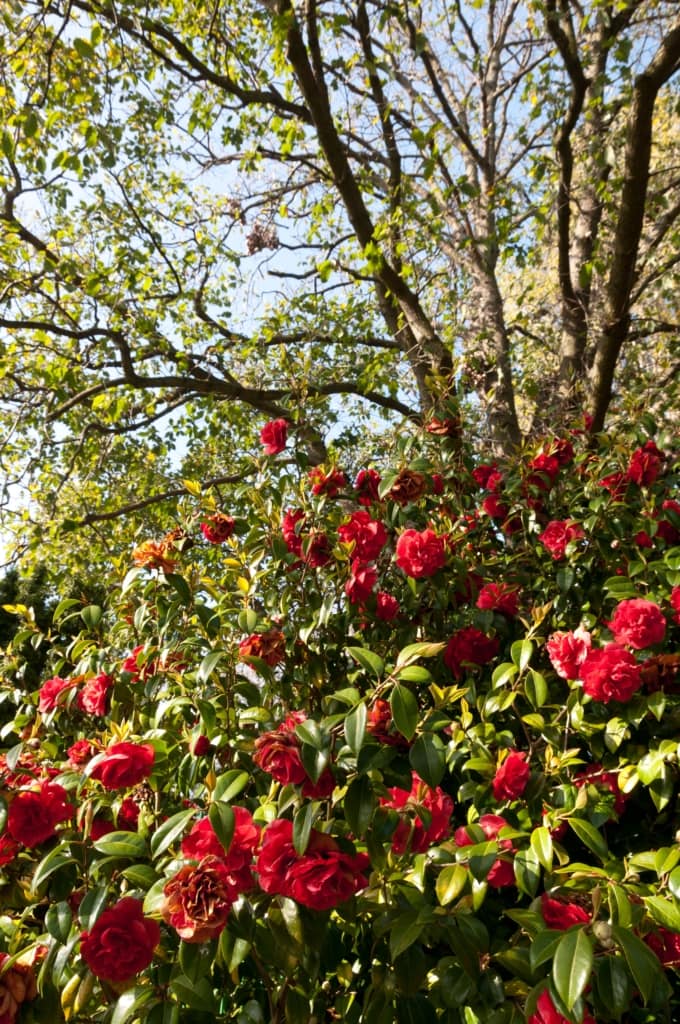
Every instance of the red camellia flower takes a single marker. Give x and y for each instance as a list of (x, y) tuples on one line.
[(408, 487), (270, 647), (638, 623), (387, 606), (369, 536), (443, 427), (667, 530), (488, 477), (121, 943), (511, 776), (544, 470), (610, 673), (562, 914), (675, 603), (666, 945), (124, 764), (361, 582), (274, 436), (379, 725), (469, 646), (291, 526), (323, 877), (499, 597), (557, 534), (414, 834), (502, 872), (8, 850), (50, 692), (616, 484), (546, 1013), (218, 528), (80, 752), (567, 651), (128, 815), (329, 483), (93, 697), (367, 486), (198, 900), (34, 814), (420, 554), (645, 464), (202, 842), (278, 754)]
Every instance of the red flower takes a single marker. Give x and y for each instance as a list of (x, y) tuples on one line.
[(50, 692), (616, 484), (329, 483), (675, 603), (545, 469), (34, 814), (387, 606), (645, 464), (323, 877), (291, 525), (80, 753), (546, 1013), (420, 554), (121, 943), (128, 815), (366, 485), (202, 842), (278, 754), (199, 745), (561, 914), (92, 697), (568, 651), (8, 850), (469, 646), (610, 673), (444, 427), (666, 529), (270, 647), (557, 534), (416, 832), (198, 900), (502, 872), (379, 725), (274, 436), (408, 487), (666, 945), (369, 536), (218, 528), (17, 986), (363, 579), (124, 764), (500, 597), (638, 623), (511, 776), (488, 477)]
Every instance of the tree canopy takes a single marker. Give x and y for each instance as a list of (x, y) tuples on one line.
[(214, 215)]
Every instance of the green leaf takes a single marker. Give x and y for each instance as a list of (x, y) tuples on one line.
[(420, 650), (572, 965), (404, 710), (91, 616), (355, 727), (427, 757), (543, 947), (520, 652), (222, 819), (166, 834), (542, 845), (230, 785), (612, 985), (208, 665), (536, 688), (527, 871), (302, 827), (590, 836), (58, 921), (644, 966), (368, 660), (414, 674), (196, 995), (404, 932), (130, 1003), (122, 844), (665, 912), (56, 859), (359, 804), (180, 586), (450, 883)]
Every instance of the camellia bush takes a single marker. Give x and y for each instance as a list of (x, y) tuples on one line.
[(398, 745)]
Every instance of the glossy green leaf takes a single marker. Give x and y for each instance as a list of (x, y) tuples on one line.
[(404, 708), (572, 965)]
